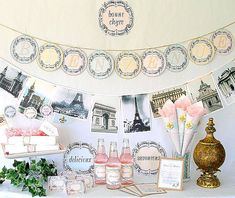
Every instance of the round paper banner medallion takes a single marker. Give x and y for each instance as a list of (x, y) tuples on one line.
[(176, 58), (100, 64), (75, 61), (24, 49), (10, 111), (153, 63), (223, 41), (30, 112), (201, 51), (50, 57), (128, 65), (46, 110), (146, 157), (116, 18), (79, 157)]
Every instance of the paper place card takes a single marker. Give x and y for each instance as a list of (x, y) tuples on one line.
[(149, 189), (170, 175), (49, 129)]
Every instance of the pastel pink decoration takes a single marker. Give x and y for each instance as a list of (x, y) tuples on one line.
[(183, 102), (168, 112), (10, 132), (194, 114)]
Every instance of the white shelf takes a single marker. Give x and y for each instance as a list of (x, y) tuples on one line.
[(33, 154)]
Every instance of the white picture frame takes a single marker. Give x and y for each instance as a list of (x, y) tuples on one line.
[(170, 176)]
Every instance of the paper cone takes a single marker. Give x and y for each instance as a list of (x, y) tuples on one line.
[(187, 140), (175, 138), (181, 114)]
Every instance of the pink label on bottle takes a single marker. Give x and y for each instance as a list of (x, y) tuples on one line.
[(99, 171)]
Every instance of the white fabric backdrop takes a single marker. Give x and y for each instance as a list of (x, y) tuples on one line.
[(156, 23)]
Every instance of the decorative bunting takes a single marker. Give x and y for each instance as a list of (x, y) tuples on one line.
[(154, 63), (201, 51), (128, 65), (176, 58), (223, 41), (24, 49), (100, 64), (75, 61), (50, 57)]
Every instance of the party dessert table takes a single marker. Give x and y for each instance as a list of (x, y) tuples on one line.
[(191, 190)]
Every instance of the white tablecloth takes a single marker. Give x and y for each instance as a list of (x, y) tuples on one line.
[(191, 190)]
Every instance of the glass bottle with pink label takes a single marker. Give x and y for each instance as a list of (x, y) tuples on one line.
[(100, 162), (113, 168), (126, 164)]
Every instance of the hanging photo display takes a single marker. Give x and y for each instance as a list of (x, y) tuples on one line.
[(158, 99), (100, 64), (116, 18), (70, 103), (50, 57), (176, 58), (105, 114), (75, 61), (146, 157), (136, 113), (224, 78), (201, 51), (204, 89), (24, 49), (11, 80), (128, 65), (79, 157), (36, 94), (223, 41), (154, 63)]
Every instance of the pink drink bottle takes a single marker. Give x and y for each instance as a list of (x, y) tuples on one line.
[(113, 168), (100, 162), (126, 164)]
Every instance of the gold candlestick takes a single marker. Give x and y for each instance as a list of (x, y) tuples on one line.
[(209, 155)]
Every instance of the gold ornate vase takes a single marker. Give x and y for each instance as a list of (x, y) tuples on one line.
[(209, 155)]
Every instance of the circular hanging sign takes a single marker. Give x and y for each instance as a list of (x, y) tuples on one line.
[(176, 58), (10, 111), (24, 49), (75, 61), (154, 63), (128, 65), (146, 157), (30, 112), (100, 64), (79, 157), (223, 41), (201, 51), (116, 18), (46, 110), (50, 57)]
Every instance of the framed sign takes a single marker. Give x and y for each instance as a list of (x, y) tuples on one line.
[(170, 176), (146, 157), (79, 157), (116, 18)]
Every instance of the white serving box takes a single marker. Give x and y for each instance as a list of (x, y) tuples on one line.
[(39, 140)]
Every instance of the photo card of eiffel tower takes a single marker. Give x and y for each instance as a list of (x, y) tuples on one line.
[(11, 80), (136, 113), (71, 103), (36, 93)]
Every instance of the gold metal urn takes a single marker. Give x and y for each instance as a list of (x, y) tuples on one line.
[(209, 155)]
